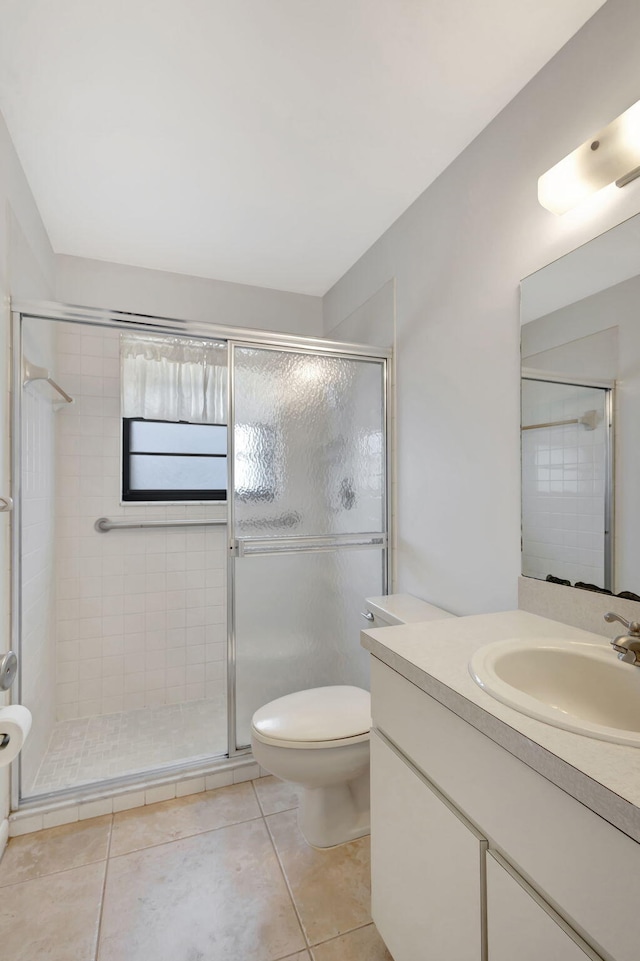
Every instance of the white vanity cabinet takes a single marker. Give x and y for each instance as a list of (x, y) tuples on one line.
[(558, 882), (426, 866), (520, 926)]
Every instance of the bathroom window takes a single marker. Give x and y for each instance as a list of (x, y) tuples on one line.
[(173, 461)]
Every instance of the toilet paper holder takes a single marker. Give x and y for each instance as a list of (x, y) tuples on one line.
[(8, 671), (15, 724)]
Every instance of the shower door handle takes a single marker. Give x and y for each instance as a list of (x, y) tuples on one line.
[(249, 546), (6, 504)]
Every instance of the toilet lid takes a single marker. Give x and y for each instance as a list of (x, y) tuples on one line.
[(320, 714)]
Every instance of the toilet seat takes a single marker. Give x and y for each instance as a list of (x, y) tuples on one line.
[(318, 718)]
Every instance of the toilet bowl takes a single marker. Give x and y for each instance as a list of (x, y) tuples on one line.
[(319, 740)]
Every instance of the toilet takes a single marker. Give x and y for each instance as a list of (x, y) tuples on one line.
[(319, 740)]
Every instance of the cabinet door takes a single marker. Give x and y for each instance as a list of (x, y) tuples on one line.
[(521, 926), (427, 866)]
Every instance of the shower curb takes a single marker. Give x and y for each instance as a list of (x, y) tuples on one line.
[(94, 801)]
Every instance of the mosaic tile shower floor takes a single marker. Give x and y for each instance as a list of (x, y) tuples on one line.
[(88, 749)]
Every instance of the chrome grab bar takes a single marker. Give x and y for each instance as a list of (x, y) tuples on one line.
[(103, 525)]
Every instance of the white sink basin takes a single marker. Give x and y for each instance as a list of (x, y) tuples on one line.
[(577, 685)]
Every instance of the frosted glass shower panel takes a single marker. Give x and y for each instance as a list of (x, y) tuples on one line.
[(298, 625), (309, 444), (309, 515)]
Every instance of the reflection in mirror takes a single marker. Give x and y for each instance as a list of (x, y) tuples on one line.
[(580, 375), (564, 480)]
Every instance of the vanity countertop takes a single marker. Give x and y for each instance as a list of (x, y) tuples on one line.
[(435, 656)]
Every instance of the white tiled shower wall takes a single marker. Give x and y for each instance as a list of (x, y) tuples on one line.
[(141, 618), (563, 481)]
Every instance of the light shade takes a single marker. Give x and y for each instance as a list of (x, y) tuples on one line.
[(611, 156)]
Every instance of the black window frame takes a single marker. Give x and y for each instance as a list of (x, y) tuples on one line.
[(130, 496)]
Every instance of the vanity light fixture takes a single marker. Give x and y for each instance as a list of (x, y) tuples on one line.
[(612, 156)]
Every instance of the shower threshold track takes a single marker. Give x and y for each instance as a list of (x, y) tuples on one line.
[(89, 750)]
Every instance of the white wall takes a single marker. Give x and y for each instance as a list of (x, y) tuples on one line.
[(26, 270), (458, 255), (370, 323), (95, 283), (594, 356)]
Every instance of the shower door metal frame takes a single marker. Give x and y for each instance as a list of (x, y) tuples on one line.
[(15, 387), (150, 324), (347, 352)]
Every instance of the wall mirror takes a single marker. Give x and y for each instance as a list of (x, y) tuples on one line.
[(580, 415)]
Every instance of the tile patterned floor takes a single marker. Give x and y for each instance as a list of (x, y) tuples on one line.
[(219, 876), (88, 749)]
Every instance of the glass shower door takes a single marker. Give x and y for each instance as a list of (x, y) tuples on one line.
[(308, 520)]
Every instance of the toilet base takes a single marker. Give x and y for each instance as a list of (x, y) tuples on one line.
[(334, 782), (335, 814)]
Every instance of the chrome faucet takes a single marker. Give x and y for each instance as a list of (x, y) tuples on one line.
[(626, 646)]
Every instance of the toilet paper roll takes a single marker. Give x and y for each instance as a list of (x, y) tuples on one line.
[(15, 724)]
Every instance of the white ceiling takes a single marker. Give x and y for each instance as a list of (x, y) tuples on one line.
[(266, 142)]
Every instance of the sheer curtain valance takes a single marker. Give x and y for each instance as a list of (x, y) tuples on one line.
[(173, 378)]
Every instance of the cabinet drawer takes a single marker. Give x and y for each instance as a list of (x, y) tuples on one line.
[(520, 925), (426, 866), (585, 868)]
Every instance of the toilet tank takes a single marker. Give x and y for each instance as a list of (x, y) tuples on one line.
[(393, 609)]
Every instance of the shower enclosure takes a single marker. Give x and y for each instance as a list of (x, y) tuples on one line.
[(199, 513)]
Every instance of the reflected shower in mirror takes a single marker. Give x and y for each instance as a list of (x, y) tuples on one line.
[(581, 415)]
